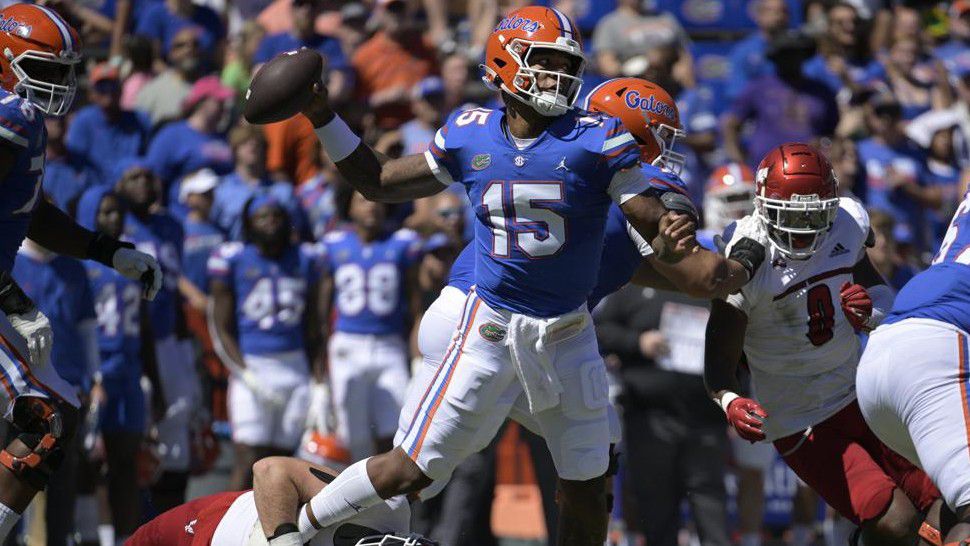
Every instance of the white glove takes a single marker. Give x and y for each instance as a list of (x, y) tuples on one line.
[(34, 327), (260, 390), (134, 264)]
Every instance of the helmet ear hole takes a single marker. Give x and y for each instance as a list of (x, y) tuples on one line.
[(499, 62)]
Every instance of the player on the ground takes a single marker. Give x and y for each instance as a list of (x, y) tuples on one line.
[(542, 176), (913, 376), (39, 54), (797, 323), (371, 280), (230, 519), (266, 329)]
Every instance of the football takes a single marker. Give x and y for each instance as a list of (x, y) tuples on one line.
[(283, 86)]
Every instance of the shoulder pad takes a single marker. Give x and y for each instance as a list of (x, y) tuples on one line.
[(18, 119), (857, 211)]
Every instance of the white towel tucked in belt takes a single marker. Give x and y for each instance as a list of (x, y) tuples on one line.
[(529, 339)]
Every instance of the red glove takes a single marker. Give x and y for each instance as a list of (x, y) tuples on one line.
[(857, 306), (747, 417)]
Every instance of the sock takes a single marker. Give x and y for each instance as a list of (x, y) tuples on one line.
[(8, 518), (750, 539), (801, 535), (343, 499)]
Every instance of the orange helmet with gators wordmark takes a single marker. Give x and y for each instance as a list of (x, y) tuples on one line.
[(515, 40), (38, 54), (648, 112)]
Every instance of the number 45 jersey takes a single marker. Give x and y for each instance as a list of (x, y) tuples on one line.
[(21, 130), (270, 294), (540, 210), (801, 349)]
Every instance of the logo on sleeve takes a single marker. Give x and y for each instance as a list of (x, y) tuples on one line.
[(481, 161)]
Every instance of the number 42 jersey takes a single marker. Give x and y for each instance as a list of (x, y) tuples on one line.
[(21, 130), (541, 209), (801, 349)]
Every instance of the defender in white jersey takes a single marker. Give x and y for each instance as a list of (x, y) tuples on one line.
[(803, 351)]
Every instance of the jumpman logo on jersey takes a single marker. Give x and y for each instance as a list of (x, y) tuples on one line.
[(562, 165)]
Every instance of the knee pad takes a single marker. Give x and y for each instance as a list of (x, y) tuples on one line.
[(44, 425)]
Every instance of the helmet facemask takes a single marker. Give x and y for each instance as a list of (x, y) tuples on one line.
[(666, 136), (46, 80), (798, 226), (396, 540), (525, 85)]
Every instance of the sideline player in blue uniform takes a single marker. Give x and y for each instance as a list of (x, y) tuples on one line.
[(914, 376), (541, 176), (265, 327), (371, 282), (37, 77)]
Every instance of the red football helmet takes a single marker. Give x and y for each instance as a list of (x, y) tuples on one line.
[(38, 53), (728, 196), (797, 198), (515, 39), (648, 112)]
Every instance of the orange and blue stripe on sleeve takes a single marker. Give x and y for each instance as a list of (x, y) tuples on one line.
[(620, 150), (964, 378), (14, 132)]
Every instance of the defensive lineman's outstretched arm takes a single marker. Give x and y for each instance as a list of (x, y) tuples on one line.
[(723, 346), (374, 175)]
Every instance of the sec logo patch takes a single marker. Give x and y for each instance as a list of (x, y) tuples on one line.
[(491, 332)]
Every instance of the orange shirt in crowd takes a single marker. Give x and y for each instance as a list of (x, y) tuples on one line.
[(384, 64), (292, 148)]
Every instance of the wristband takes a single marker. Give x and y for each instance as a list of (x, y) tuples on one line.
[(102, 249), (337, 139), (13, 300), (726, 400)]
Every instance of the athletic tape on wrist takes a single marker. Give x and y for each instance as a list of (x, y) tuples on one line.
[(726, 400), (337, 139)]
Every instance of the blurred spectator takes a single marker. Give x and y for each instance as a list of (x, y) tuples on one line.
[(163, 21), (884, 253), (895, 170), (479, 15), (845, 163), (390, 63), (186, 146), (65, 178), (248, 179), (103, 134), (628, 33), (698, 117), (317, 198), (955, 53), (239, 66), (58, 285), (292, 150), (93, 25), (201, 235), (163, 96), (141, 60), (679, 446), (443, 247), (427, 105), (454, 77), (844, 59), (747, 57), (942, 172), (957, 116), (303, 34), (353, 25), (783, 107), (916, 82)]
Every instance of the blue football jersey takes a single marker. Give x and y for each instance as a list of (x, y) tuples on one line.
[(369, 279), (22, 129), (117, 304), (540, 211), (942, 292), (270, 294), (161, 236)]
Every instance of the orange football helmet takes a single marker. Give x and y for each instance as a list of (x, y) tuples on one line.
[(509, 47), (38, 54), (729, 195), (648, 112)]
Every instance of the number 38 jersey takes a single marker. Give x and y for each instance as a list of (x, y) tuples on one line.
[(801, 349), (21, 130), (369, 279), (270, 294), (540, 210), (942, 292)]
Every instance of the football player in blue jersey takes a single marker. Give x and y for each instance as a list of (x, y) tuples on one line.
[(541, 176), (40, 52), (265, 325), (371, 279), (914, 376)]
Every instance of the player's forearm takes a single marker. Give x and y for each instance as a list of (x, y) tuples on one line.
[(704, 274), (53, 229), (223, 339), (723, 346)]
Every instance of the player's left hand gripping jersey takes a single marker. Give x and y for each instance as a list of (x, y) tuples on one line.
[(369, 279), (801, 349), (22, 131), (270, 294), (540, 211)]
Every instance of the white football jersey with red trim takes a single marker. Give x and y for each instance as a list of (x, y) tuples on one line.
[(801, 349)]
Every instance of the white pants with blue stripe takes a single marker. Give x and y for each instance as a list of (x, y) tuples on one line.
[(912, 386), (20, 377), (467, 387)]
